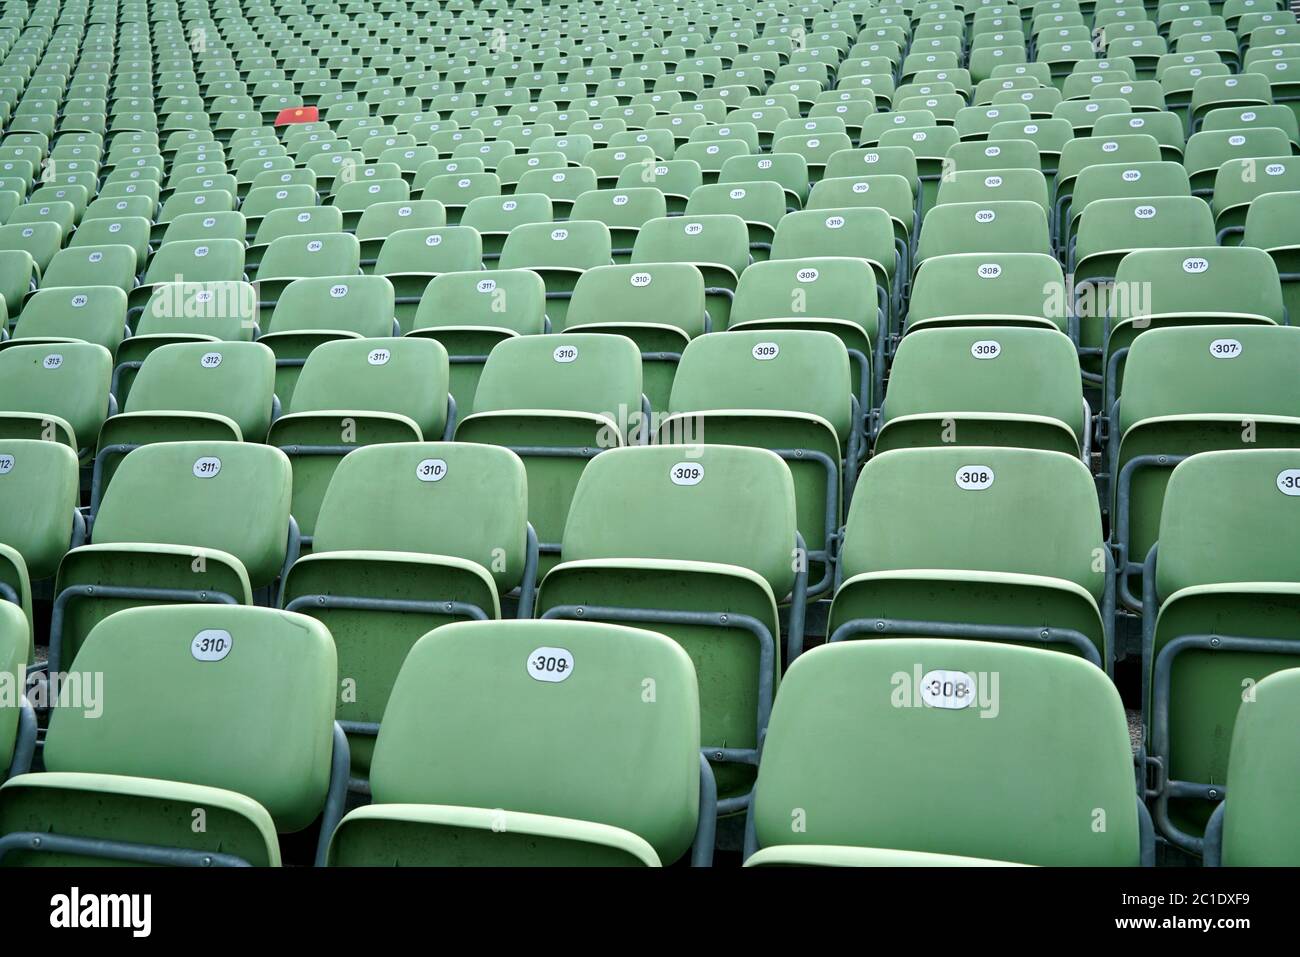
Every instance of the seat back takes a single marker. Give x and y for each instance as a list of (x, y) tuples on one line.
[(859, 739), (616, 762), (231, 496)]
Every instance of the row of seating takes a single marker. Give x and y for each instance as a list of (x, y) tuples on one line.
[(644, 518), (1029, 295)]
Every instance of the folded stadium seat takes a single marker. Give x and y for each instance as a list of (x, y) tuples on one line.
[(200, 260), (891, 700), (559, 253), (39, 240), (198, 201), (17, 718), (675, 178), (1211, 617), (624, 211), (788, 170), (1209, 149), (1237, 185), (1240, 118), (41, 488), (761, 204), (930, 146), (410, 536), (78, 196), (784, 390), (659, 306), (493, 217), (888, 191), (986, 386), (654, 799), (563, 186), (354, 198), (58, 212), (56, 391), (675, 556), (189, 392), (456, 190), (100, 799), (292, 221), (710, 155), (300, 256), (861, 232), (191, 226), (355, 392), (1109, 230), (557, 400), (112, 265), (410, 258), (511, 168), (322, 308), (71, 314), (822, 293), (185, 312), (379, 220), (112, 207), (904, 573), (181, 522), (993, 228), (609, 162), (995, 184), (261, 200), (1137, 181), (1217, 92), (1262, 778), (1171, 412), (1271, 226), (1049, 135), (470, 312), (1087, 152)]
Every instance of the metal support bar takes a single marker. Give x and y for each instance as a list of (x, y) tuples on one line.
[(148, 854), (180, 595), (1160, 701), (1120, 529), (336, 796), (908, 628), (699, 619), (706, 826)]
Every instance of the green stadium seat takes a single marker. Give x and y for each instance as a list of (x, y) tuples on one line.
[(930, 695), (635, 792), (1225, 622), (1262, 776), (354, 392), (673, 555), (177, 525), (121, 785)]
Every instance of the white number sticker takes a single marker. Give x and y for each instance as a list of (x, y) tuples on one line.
[(1288, 481), (986, 349), (766, 350), (640, 279), (687, 473), (974, 478), (551, 665), (1145, 212), (210, 360), (379, 357), (952, 690), (565, 353), (211, 644), (985, 216), (431, 470), (1225, 348), (53, 361), (6, 464), (989, 271), (207, 467)]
